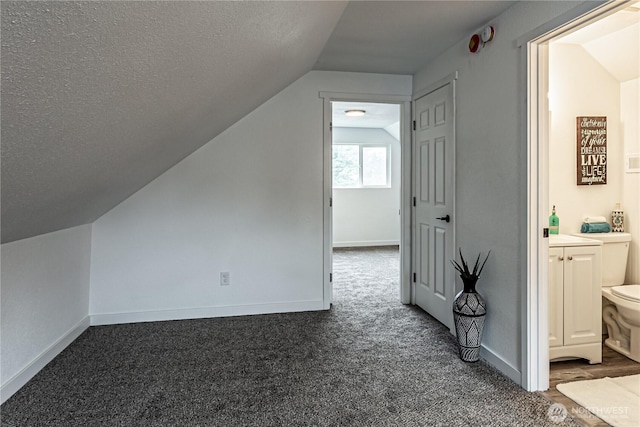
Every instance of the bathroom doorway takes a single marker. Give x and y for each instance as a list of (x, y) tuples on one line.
[(552, 146)]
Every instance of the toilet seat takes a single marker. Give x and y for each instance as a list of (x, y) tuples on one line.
[(627, 292)]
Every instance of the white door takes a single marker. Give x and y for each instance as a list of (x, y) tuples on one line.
[(433, 169)]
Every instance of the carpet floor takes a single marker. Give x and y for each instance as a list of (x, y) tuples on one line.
[(369, 361)]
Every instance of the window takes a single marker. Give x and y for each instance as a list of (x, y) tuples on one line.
[(361, 165)]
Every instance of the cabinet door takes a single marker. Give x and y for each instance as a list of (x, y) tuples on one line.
[(582, 295), (556, 297)]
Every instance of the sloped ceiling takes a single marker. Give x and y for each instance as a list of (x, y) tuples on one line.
[(100, 98), (614, 42)]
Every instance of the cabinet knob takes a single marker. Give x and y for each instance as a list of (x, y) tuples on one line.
[(561, 258), (570, 257)]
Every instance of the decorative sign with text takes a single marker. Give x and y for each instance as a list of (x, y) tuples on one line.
[(592, 150)]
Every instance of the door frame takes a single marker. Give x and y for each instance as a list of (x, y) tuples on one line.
[(405, 187), (535, 73), (449, 79)]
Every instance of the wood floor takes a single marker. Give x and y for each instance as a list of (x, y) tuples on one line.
[(613, 365)]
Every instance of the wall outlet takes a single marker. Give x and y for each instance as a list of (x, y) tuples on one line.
[(225, 279)]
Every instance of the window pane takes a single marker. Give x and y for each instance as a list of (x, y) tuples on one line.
[(374, 166), (346, 166)]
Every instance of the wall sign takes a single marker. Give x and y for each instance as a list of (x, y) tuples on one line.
[(592, 150)]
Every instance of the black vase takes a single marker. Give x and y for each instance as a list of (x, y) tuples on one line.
[(469, 309)]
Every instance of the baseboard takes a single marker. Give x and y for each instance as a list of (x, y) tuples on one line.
[(357, 244), (492, 358), (204, 312), (16, 382)]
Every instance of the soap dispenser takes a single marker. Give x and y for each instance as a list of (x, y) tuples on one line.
[(617, 219), (554, 222)]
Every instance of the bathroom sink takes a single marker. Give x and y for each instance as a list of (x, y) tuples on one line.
[(557, 240)]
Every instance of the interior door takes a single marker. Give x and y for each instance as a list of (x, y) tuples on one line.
[(433, 149)]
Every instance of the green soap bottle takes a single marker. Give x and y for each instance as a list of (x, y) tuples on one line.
[(554, 222)]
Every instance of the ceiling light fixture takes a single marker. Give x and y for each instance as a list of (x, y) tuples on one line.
[(355, 113)]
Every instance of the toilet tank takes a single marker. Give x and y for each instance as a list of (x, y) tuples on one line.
[(615, 250)]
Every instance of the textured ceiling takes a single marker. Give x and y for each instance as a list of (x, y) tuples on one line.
[(100, 98), (400, 37)]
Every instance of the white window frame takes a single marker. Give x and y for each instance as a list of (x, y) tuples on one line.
[(361, 146)]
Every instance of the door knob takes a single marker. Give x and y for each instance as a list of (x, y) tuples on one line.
[(445, 218)]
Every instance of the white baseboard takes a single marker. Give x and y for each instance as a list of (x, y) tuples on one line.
[(500, 364), (204, 312), (21, 378), (366, 243)]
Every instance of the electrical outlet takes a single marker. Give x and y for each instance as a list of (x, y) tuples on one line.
[(225, 279)]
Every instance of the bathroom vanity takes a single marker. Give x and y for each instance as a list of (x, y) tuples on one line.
[(575, 301)]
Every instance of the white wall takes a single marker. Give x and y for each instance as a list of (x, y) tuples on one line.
[(571, 70), (630, 119), (45, 301), (368, 216), (491, 180), (580, 86), (249, 202)]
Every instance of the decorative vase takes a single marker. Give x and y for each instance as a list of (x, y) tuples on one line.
[(469, 309)]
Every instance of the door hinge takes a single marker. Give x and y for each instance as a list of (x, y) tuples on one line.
[(331, 277), (414, 125), (545, 233), (414, 201), (414, 277), (330, 202), (330, 125)]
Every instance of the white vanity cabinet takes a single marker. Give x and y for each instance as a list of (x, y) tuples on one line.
[(575, 301)]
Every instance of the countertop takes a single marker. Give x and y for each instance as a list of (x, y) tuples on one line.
[(561, 240)]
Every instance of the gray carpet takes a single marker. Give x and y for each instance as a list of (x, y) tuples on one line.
[(370, 361)]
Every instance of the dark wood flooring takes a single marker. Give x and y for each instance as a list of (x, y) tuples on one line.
[(613, 365)]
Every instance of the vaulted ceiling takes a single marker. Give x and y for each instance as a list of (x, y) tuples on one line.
[(100, 98)]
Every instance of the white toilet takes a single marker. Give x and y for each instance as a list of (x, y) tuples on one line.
[(621, 308)]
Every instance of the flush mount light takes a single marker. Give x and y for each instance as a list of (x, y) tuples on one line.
[(355, 113)]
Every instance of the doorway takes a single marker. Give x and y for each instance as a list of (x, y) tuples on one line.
[(366, 176), (542, 116), (366, 172)]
